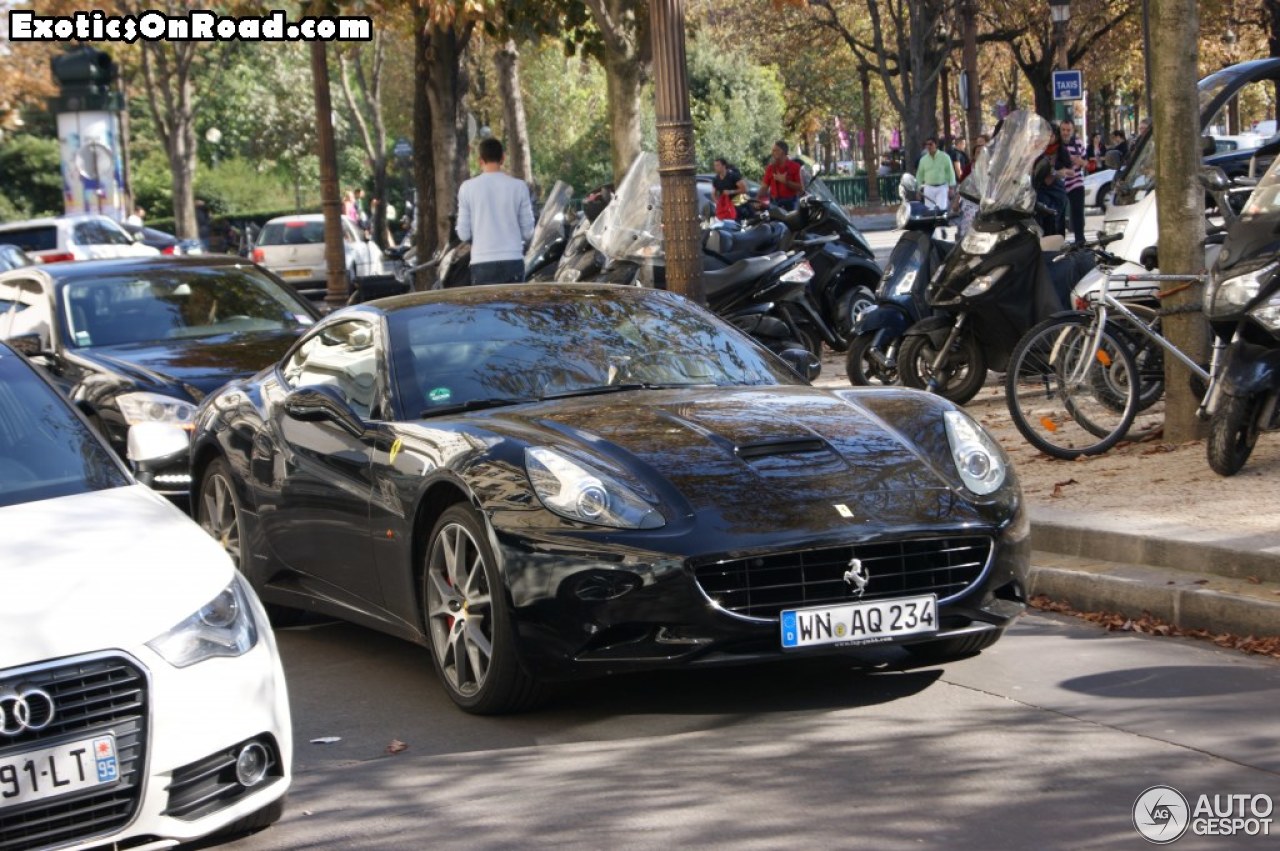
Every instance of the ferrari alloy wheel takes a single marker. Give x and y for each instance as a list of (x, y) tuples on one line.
[(218, 510), (468, 621)]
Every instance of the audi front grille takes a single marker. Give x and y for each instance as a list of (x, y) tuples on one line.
[(101, 694), (763, 586)]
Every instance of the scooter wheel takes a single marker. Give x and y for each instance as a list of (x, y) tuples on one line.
[(862, 367), (1233, 432), (962, 374)]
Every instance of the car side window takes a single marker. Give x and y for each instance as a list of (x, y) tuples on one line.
[(343, 355), (85, 233), (24, 310)]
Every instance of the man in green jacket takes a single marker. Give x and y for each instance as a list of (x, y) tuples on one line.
[(936, 173)]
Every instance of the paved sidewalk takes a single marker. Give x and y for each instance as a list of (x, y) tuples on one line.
[(1147, 527)]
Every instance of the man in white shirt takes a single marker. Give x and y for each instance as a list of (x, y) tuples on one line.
[(496, 217)]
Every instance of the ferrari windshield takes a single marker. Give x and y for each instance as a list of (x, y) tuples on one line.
[(630, 228), (1001, 178), (170, 303), (531, 343)]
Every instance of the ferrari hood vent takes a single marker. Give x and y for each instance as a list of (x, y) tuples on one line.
[(780, 446)]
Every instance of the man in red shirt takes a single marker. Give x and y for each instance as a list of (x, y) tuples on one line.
[(782, 178)]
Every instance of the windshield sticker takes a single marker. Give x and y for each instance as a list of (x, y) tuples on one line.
[(440, 394)]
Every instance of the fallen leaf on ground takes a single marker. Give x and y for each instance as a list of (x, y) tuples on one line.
[(1201, 582), (1058, 486), (1158, 448), (1253, 580), (1147, 624), (396, 746)]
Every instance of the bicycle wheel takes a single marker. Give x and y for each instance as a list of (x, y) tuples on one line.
[(1051, 388)]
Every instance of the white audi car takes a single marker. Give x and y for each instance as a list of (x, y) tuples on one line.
[(142, 700)]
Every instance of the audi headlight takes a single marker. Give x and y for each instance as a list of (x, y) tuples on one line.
[(1113, 226), (224, 626), (979, 461), (155, 408), (982, 283), (981, 242), (800, 274), (1232, 294), (578, 491)]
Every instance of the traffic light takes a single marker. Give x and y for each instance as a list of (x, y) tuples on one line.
[(86, 78)]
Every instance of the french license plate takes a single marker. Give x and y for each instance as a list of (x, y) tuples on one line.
[(872, 622), (58, 770), (296, 273)]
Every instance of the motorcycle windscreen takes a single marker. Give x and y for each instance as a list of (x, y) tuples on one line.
[(1001, 178), (551, 222), (630, 228)]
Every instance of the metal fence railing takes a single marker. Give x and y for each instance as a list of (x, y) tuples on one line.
[(852, 191)]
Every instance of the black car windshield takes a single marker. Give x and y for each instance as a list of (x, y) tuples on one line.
[(45, 450), (167, 303), (530, 344)]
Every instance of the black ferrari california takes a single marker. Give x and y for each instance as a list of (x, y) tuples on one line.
[(545, 482)]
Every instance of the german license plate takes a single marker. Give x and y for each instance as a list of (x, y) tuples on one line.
[(872, 622), (58, 770), (296, 273)]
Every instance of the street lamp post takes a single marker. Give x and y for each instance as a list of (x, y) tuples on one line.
[(1060, 10), (213, 136)]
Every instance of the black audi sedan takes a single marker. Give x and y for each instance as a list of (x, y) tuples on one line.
[(143, 340), (545, 482)]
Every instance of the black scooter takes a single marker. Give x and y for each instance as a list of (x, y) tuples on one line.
[(999, 281), (900, 301), (550, 235), (1242, 307)]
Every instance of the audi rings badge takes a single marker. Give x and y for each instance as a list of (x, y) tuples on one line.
[(24, 709)]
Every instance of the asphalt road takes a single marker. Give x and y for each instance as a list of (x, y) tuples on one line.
[(1044, 741)]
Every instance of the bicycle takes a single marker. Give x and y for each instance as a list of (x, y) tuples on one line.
[(1077, 381)]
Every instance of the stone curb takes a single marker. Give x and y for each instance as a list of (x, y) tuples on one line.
[(1170, 595)]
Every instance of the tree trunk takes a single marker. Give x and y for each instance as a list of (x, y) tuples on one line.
[(334, 254), (519, 159), (1179, 200), (378, 221), (427, 236), (445, 89), (182, 165), (624, 79), (869, 164)]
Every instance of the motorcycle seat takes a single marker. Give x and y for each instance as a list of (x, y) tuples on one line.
[(733, 246), (721, 281)]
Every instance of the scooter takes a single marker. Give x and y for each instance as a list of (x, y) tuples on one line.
[(1242, 304), (1000, 280), (872, 357), (550, 235)]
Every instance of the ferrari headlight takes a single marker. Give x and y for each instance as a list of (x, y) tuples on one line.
[(578, 491), (979, 461), (981, 242), (155, 408), (982, 283), (1231, 295), (224, 626), (800, 274)]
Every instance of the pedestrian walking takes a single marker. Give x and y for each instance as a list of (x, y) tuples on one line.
[(782, 177), (496, 217), (936, 173), (1070, 164)]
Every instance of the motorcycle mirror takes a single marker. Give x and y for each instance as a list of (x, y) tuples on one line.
[(1214, 179), (908, 184), (802, 363), (1149, 258), (1208, 147)]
